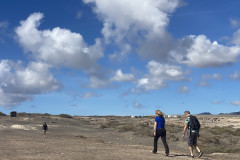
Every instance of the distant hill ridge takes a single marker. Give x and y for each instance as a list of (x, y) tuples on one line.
[(205, 113), (231, 113)]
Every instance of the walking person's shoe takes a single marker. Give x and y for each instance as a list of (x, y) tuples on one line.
[(200, 154), (190, 156)]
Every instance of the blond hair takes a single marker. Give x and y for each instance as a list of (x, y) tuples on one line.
[(159, 113)]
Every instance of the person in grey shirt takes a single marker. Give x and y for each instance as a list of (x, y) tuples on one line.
[(192, 133)]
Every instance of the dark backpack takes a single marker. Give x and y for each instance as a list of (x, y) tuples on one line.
[(194, 123)]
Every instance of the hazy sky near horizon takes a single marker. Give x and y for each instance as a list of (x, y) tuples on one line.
[(121, 57)]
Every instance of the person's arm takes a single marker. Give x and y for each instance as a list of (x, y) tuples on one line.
[(184, 130), (155, 128)]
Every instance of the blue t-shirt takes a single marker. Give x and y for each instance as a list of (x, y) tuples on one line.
[(160, 122)]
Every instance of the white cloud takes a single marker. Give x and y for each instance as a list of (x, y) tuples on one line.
[(58, 47), (203, 83), (4, 24), (206, 77), (142, 24), (120, 77), (234, 22), (217, 102), (236, 103), (89, 95), (98, 82), (236, 37), (138, 105), (200, 52), (138, 22), (217, 76), (4, 31), (79, 14), (121, 15), (235, 76), (21, 83), (183, 89), (159, 75)]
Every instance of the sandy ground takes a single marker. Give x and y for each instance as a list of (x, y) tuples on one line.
[(80, 138)]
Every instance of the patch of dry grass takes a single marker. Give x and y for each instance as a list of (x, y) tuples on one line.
[(220, 140), (65, 116)]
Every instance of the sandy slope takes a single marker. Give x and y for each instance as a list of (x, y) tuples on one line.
[(81, 138)]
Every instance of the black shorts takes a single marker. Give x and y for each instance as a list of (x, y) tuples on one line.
[(192, 138)]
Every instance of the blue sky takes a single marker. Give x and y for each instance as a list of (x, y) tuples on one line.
[(121, 57)]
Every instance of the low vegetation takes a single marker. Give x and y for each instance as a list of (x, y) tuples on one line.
[(220, 139), (211, 140), (24, 114), (2, 114), (65, 116)]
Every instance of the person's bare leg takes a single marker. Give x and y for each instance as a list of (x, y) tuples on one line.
[(191, 150), (198, 149), (199, 152)]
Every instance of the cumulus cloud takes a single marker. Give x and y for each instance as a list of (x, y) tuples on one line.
[(58, 47), (183, 89), (120, 77), (159, 75), (139, 22), (19, 83), (236, 103), (122, 15), (142, 24), (235, 76), (200, 52)]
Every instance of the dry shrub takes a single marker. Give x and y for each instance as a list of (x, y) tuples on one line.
[(65, 116), (220, 140), (2, 114), (171, 128), (81, 136), (126, 128), (110, 124), (172, 138)]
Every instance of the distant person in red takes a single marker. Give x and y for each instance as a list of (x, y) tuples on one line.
[(45, 128), (159, 131)]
